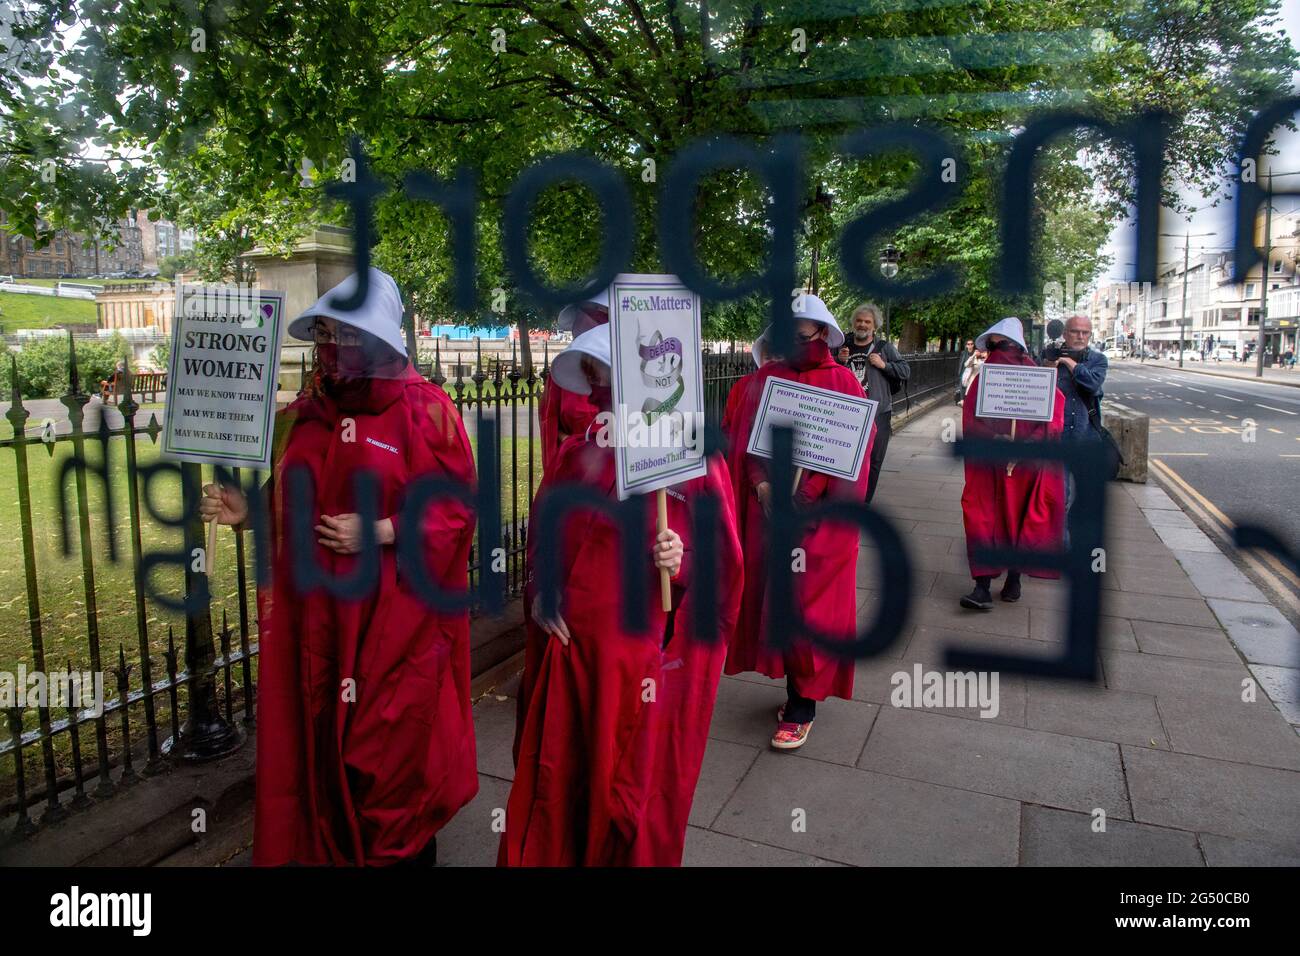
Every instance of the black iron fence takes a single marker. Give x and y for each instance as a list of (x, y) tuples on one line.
[(73, 604)]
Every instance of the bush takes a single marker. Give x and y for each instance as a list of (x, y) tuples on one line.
[(43, 365)]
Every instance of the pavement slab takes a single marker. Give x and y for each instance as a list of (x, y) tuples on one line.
[(1215, 796), (1260, 632), (869, 819), (1051, 837), (997, 759)]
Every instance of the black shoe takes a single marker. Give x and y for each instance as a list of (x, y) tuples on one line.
[(978, 600), (1011, 589)]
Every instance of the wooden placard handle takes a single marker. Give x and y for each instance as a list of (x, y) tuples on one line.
[(661, 525), (211, 563), (1011, 466)]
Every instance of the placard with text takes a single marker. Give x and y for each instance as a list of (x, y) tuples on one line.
[(222, 378)]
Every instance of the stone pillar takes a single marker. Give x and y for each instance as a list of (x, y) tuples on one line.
[(318, 262)]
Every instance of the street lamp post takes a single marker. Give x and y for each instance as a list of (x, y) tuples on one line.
[(1187, 247), (889, 268)]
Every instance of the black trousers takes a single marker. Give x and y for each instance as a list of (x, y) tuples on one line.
[(883, 431), (798, 709)]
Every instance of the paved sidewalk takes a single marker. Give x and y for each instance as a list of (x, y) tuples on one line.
[(1186, 772), (1245, 372)]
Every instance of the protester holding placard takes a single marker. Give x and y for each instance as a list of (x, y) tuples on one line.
[(1009, 505), (613, 725), (562, 413), (366, 742), (825, 586)]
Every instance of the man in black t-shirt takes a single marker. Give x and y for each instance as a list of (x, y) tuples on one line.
[(879, 368)]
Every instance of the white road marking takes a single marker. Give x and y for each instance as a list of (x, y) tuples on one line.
[(1272, 409), (1201, 390), (1228, 397)]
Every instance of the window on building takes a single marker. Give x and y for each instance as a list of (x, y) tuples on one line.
[(1250, 290), (1277, 266), (1252, 317)]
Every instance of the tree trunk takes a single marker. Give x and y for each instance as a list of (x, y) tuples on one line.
[(912, 338)]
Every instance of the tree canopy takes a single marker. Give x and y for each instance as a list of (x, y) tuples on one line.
[(231, 115)]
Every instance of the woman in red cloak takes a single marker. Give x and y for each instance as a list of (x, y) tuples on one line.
[(1009, 505), (560, 412), (613, 725), (366, 747), (826, 588)]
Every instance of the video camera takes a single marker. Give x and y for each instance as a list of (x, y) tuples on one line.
[(1054, 344)]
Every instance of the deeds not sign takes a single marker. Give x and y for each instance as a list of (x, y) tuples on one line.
[(222, 379), (1016, 391), (831, 429), (658, 383)]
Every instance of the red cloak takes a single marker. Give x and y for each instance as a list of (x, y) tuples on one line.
[(562, 413), (826, 590), (366, 747), (1025, 509), (612, 728)]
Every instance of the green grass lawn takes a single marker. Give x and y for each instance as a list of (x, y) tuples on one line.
[(19, 311)]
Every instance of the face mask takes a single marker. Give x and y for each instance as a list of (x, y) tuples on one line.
[(327, 358), (353, 361), (810, 354)]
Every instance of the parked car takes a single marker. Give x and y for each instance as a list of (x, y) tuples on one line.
[(1225, 353), (1189, 355), (1113, 353)]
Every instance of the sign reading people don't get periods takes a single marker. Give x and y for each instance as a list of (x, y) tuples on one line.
[(222, 379), (1016, 391), (831, 429)]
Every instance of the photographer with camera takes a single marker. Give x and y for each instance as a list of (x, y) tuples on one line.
[(1080, 375)]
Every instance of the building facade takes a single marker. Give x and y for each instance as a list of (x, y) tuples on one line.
[(136, 305), (139, 246), (1204, 309)]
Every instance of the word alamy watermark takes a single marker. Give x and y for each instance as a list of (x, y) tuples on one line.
[(83, 690), (956, 689), (627, 428)]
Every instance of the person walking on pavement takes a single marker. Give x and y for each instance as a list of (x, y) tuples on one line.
[(824, 589), (365, 747), (971, 360), (881, 372), (613, 724), (1017, 504)]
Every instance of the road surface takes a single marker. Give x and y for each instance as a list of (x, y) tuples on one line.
[(1229, 451)]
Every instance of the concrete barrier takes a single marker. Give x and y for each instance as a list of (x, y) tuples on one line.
[(1130, 429)]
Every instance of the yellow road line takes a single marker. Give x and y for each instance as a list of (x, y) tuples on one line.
[(1266, 565)]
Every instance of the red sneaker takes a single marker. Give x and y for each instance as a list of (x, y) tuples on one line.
[(791, 736)]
